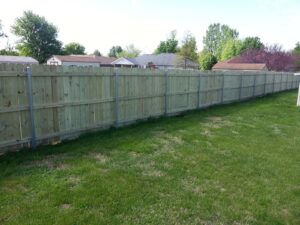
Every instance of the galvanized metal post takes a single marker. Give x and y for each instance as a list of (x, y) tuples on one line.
[(117, 113), (241, 86), (298, 102), (281, 82), (265, 83), (254, 86), (166, 92), (223, 87), (274, 76), (28, 72), (199, 89)]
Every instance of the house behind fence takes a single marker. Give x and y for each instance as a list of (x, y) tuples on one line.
[(67, 101)]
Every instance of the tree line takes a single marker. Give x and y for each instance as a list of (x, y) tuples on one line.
[(38, 38)]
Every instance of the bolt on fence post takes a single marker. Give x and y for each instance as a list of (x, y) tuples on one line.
[(199, 89), (28, 72), (117, 121), (166, 92)]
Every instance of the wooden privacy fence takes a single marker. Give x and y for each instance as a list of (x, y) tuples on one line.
[(54, 103)]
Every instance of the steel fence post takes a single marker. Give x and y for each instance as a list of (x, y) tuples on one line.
[(28, 72)]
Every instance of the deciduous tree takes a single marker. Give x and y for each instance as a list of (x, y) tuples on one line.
[(1, 31), (97, 53), (38, 37), (251, 43), (74, 48), (188, 49), (230, 49), (207, 60), (168, 46), (130, 52), (273, 56), (114, 51), (296, 50), (216, 36)]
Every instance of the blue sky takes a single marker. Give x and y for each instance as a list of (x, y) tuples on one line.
[(99, 24)]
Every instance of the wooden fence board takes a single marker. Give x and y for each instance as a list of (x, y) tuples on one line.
[(71, 100)]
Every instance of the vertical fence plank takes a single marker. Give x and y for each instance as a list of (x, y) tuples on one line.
[(72, 100)]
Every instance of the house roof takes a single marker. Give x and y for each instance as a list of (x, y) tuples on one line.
[(85, 59), (123, 61), (17, 59), (164, 59), (239, 66)]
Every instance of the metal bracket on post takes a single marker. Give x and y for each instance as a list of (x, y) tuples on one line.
[(166, 92), (117, 121), (199, 89), (28, 72)]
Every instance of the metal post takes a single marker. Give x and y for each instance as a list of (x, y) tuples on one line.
[(281, 82), (298, 102), (166, 92), (241, 86), (117, 121), (274, 76), (28, 72), (265, 84), (254, 86), (223, 87), (199, 89)]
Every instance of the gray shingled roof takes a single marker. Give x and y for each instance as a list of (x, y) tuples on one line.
[(164, 59), (17, 59)]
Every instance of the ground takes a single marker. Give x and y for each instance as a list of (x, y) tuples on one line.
[(234, 164)]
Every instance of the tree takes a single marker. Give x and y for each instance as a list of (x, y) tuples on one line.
[(38, 38), (296, 54), (9, 51), (168, 46), (252, 43), (216, 36), (114, 51), (97, 53), (273, 56), (296, 50), (74, 48), (207, 60), (188, 50), (1, 31), (231, 48), (130, 52)]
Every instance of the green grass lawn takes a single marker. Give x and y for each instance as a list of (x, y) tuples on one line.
[(234, 164)]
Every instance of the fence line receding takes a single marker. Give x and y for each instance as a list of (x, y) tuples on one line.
[(67, 101)]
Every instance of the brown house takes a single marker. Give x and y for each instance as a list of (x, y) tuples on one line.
[(226, 65), (80, 60)]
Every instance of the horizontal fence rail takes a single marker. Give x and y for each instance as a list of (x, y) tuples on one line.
[(55, 103)]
